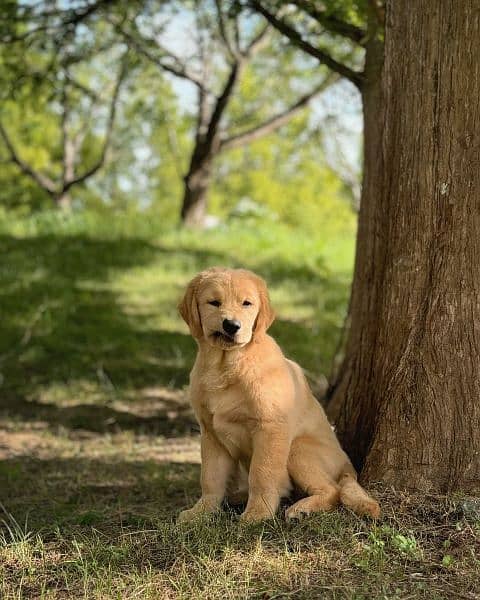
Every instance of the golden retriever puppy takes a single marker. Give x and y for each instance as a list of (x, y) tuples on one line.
[(262, 430)]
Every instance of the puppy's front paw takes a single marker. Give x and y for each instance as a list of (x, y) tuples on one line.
[(201, 508), (255, 515), (188, 515)]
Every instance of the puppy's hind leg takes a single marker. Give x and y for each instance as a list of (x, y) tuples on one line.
[(353, 496), (305, 470)]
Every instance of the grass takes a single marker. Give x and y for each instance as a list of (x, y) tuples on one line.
[(99, 450), (94, 314)]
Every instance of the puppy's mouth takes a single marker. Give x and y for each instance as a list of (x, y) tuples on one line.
[(224, 337)]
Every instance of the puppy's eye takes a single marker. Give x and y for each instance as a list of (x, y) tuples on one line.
[(214, 302), (247, 303)]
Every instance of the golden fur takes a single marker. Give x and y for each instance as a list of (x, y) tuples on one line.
[(262, 430)]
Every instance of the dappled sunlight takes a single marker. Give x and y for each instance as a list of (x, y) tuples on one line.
[(99, 448), (95, 320), (166, 417)]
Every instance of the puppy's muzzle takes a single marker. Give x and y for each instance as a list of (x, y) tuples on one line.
[(231, 326)]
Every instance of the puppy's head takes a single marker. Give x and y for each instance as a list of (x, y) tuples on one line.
[(227, 307)]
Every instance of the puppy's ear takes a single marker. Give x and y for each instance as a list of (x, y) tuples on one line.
[(266, 315), (188, 308)]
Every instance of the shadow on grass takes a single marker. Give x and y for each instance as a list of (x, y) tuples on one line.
[(99, 528), (115, 519), (63, 323), (65, 326), (167, 417), (87, 497), (77, 493)]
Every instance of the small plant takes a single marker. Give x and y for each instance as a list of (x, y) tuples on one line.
[(383, 541), (405, 544), (373, 551), (447, 560)]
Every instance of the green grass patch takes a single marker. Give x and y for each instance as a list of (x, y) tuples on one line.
[(89, 304)]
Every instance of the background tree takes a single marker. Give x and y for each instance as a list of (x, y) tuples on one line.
[(347, 38), (224, 47), (53, 78), (227, 60)]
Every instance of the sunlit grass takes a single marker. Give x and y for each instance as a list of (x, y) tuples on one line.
[(90, 302)]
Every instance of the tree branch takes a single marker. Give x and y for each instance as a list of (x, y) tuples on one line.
[(257, 42), (71, 17), (203, 106), (179, 70), (222, 102), (223, 30), (332, 23), (295, 37), (236, 32), (68, 148), (277, 121), (43, 181), (224, 98), (81, 87), (108, 133)]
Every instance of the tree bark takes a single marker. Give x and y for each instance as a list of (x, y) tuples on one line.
[(407, 401), (195, 195)]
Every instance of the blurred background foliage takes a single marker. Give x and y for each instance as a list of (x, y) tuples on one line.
[(101, 114), (285, 176)]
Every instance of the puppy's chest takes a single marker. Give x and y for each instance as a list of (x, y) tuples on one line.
[(231, 421)]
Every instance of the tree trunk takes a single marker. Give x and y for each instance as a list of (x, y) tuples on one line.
[(197, 182), (372, 103), (407, 403), (63, 201)]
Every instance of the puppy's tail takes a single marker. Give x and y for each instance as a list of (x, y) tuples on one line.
[(353, 496)]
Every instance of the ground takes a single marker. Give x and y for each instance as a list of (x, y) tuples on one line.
[(99, 449)]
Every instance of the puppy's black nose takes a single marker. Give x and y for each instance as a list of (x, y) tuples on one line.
[(231, 326)]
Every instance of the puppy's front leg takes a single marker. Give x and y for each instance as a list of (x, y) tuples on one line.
[(217, 467), (268, 476)]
